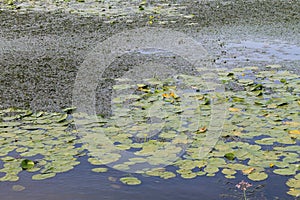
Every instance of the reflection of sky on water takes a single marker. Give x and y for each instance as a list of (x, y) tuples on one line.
[(263, 51)]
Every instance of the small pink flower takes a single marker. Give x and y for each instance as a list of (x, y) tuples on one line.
[(243, 185)]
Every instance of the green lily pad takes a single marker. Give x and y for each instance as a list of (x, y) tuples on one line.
[(189, 175), (100, 169), (167, 175), (294, 183), (27, 164), (258, 176), (211, 169), (69, 109), (285, 171), (130, 180), (10, 177), (62, 118), (228, 171), (294, 192), (43, 176), (246, 81), (229, 156)]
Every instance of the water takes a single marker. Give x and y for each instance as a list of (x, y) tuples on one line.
[(267, 51), (82, 184)]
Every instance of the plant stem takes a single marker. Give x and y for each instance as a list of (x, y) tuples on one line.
[(245, 198)]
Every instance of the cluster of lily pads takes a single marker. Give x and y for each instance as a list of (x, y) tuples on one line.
[(165, 122), (262, 131), (151, 126), (111, 10), (41, 142)]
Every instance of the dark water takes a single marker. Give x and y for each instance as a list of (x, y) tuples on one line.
[(81, 184)]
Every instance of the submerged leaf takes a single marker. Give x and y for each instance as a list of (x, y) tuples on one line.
[(18, 188)]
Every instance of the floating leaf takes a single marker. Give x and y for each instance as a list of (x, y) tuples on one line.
[(167, 175), (27, 164), (234, 109), (67, 110), (230, 177), (248, 170), (285, 171), (189, 175), (100, 169), (228, 171), (43, 176), (229, 156), (246, 81), (258, 176), (9, 177), (256, 87), (294, 192), (130, 180), (237, 166), (294, 132), (7, 158), (211, 169), (62, 118), (295, 183)]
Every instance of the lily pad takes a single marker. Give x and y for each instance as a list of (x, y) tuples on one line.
[(43, 176), (189, 175), (100, 169), (294, 192), (228, 171), (167, 175), (258, 176), (27, 164), (229, 156), (294, 183), (130, 180), (285, 171)]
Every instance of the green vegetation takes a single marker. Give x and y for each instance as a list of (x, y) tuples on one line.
[(164, 122)]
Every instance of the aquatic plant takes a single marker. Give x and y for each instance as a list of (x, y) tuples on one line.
[(243, 185)]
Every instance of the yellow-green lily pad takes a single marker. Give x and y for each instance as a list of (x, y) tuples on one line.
[(130, 180), (258, 176), (27, 164), (43, 176), (100, 169)]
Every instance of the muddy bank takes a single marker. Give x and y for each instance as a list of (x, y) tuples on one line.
[(41, 51)]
